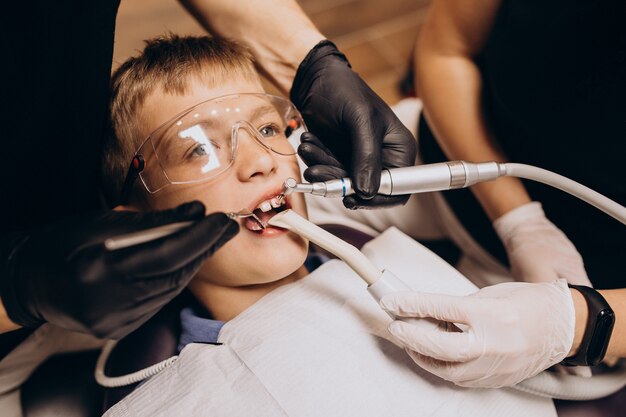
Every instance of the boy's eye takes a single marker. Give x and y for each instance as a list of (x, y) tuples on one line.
[(199, 150), (268, 131), (202, 149)]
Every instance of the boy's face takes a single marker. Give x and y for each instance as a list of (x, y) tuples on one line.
[(255, 176)]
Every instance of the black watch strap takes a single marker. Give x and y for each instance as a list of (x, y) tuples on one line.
[(597, 335)]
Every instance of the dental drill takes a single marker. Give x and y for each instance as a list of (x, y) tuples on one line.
[(450, 175), (409, 180)]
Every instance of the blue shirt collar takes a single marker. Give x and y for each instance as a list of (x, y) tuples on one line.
[(197, 326)]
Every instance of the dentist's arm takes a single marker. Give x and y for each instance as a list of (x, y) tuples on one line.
[(450, 84), (514, 330), (353, 124), (277, 32)]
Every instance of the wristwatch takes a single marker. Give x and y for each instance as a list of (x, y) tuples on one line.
[(597, 335)]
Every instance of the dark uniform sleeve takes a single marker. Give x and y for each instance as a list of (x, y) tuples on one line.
[(553, 94), (56, 65)]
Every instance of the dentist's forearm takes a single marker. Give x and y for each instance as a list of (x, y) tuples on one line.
[(450, 84), (6, 325), (277, 31)]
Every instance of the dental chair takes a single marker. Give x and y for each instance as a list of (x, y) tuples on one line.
[(77, 394), (63, 386)]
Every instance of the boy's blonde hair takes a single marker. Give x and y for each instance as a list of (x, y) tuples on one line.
[(167, 63)]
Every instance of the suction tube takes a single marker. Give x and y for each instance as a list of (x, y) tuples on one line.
[(290, 220), (379, 282)]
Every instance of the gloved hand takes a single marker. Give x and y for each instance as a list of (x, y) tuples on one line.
[(514, 331), (539, 251), (64, 275), (353, 123)]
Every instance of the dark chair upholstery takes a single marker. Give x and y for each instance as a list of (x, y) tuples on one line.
[(611, 406), (63, 386), (153, 342)]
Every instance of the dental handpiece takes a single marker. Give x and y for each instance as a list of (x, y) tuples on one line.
[(408, 180)]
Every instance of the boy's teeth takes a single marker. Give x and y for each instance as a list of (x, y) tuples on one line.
[(265, 206), (253, 224)]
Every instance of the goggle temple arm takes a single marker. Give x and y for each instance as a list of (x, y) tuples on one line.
[(136, 166)]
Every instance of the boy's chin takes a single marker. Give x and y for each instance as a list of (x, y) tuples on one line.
[(257, 266), (277, 271)]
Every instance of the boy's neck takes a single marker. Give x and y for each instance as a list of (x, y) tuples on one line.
[(225, 303)]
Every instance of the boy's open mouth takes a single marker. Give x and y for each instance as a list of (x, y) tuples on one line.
[(265, 211)]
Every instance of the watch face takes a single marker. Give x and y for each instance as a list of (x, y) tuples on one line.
[(601, 336)]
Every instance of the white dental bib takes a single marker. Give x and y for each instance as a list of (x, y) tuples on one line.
[(319, 347)]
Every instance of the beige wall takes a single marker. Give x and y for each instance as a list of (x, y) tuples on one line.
[(376, 35)]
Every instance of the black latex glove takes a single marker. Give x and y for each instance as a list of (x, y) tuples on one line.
[(353, 123), (64, 275)]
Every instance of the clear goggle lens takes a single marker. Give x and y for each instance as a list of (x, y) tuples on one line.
[(201, 142)]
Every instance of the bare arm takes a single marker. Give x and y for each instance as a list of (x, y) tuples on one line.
[(277, 31), (6, 325), (450, 85)]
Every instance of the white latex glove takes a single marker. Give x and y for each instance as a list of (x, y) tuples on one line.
[(512, 331), (538, 250)]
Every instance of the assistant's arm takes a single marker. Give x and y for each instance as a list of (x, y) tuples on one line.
[(450, 85), (6, 325), (536, 326), (278, 32)]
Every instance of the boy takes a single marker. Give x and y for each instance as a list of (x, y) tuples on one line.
[(191, 119), (202, 160)]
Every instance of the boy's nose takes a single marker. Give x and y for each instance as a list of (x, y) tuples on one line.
[(253, 159)]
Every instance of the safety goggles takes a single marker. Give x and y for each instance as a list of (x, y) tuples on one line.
[(201, 142)]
